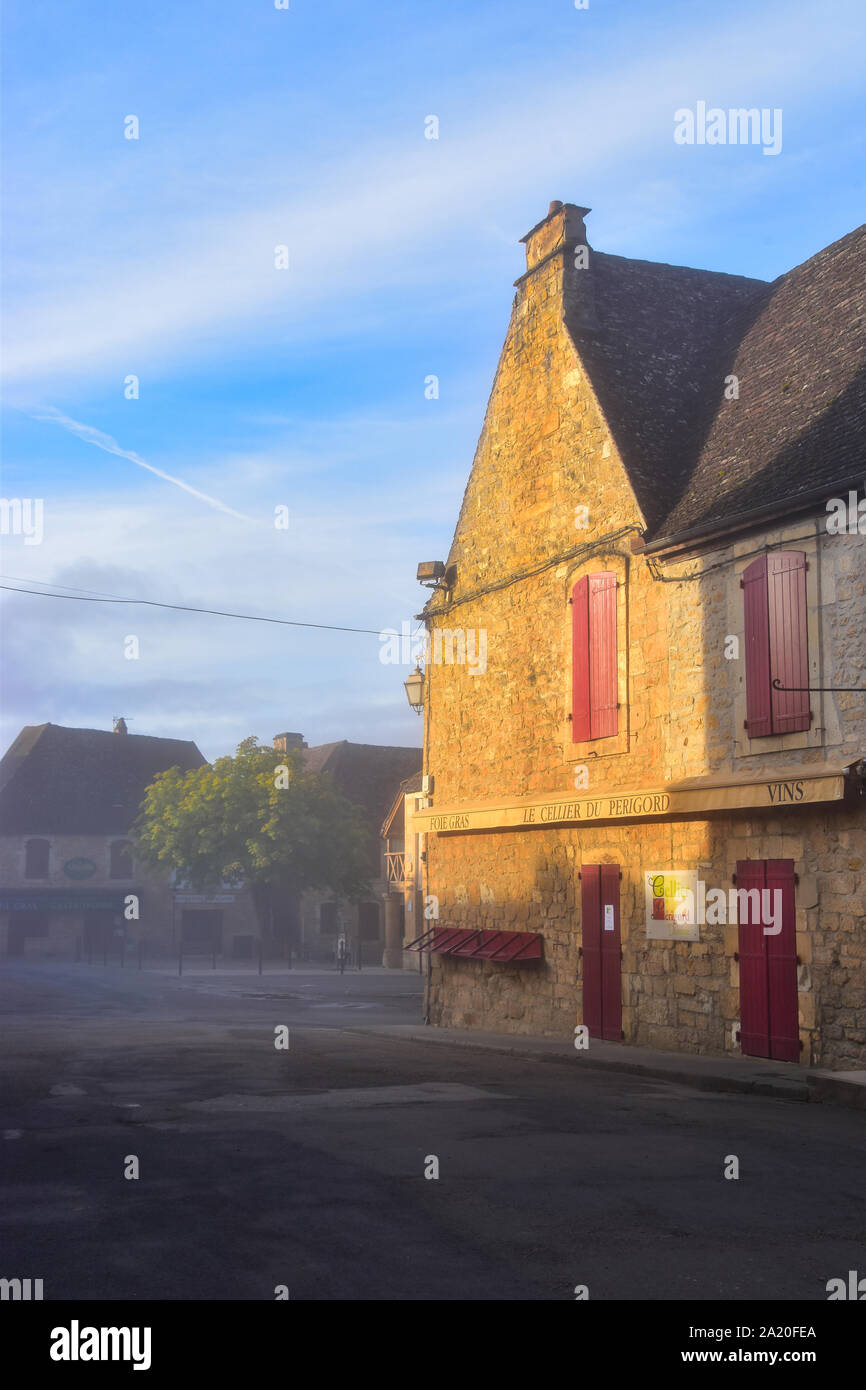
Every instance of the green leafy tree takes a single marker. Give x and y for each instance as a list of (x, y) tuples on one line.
[(259, 818)]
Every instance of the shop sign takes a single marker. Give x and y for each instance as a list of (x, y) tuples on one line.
[(79, 868), (671, 897)]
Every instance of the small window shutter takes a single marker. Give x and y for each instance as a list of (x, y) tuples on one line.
[(602, 655), (789, 652), (580, 708), (759, 720)]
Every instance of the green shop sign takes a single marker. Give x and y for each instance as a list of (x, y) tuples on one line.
[(79, 868)]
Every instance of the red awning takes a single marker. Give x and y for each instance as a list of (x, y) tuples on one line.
[(513, 947)]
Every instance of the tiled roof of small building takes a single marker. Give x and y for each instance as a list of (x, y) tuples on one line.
[(411, 784), (55, 780)]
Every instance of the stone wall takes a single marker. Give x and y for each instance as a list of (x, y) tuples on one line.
[(503, 731), (675, 994)]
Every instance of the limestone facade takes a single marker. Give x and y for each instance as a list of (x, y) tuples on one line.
[(552, 498)]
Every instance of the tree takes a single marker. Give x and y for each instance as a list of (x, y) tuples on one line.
[(259, 818)]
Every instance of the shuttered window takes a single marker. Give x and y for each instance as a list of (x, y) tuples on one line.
[(36, 857), (774, 601), (594, 676)]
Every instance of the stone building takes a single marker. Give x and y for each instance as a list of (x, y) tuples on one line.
[(68, 875), (647, 807), (369, 775)]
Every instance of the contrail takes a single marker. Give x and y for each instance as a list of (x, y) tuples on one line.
[(111, 446)]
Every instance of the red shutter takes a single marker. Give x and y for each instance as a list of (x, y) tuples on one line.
[(580, 707), (784, 1021), (759, 718), (602, 655), (611, 968), (754, 999), (590, 925), (789, 651)]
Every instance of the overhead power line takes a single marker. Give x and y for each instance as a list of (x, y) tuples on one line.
[(187, 608)]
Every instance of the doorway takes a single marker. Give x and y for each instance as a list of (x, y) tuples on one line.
[(769, 1018), (601, 950), (202, 930), (22, 925)]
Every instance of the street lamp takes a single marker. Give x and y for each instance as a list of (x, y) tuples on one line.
[(414, 687)]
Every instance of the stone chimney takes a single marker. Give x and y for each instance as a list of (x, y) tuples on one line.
[(120, 725), (285, 743), (561, 229), (559, 264)]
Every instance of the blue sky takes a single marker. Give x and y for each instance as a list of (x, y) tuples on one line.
[(305, 387)]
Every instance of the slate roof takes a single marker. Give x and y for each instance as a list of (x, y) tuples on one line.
[(59, 781), (800, 421), (658, 342), (367, 774)]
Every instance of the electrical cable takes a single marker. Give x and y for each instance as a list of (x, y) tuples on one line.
[(83, 597)]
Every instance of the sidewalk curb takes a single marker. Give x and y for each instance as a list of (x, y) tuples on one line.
[(701, 1073), (832, 1088)]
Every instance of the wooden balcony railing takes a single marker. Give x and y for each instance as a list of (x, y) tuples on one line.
[(395, 869)]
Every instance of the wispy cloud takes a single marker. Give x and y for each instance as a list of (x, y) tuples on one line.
[(419, 217), (90, 435)]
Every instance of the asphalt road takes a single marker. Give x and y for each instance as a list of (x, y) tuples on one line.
[(305, 1167)]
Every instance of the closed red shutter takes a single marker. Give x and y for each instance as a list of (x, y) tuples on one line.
[(784, 1020), (594, 664), (580, 708), (751, 941), (611, 968), (759, 716), (590, 924), (602, 655), (789, 651)]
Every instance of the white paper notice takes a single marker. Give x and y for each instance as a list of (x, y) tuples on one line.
[(608, 916)]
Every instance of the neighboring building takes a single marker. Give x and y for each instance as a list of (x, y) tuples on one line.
[(402, 879), (368, 775), (673, 691), (68, 876)]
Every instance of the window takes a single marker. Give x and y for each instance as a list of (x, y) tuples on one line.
[(36, 858), (121, 859), (594, 681), (774, 602), (328, 919)]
